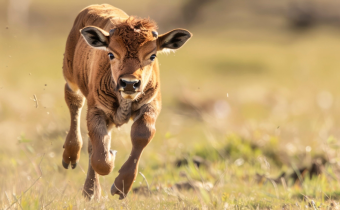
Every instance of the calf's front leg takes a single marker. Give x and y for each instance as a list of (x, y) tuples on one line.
[(142, 132), (102, 157)]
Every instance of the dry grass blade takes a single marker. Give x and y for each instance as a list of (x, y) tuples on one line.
[(49, 203), (146, 181), (40, 164), (29, 187), (284, 184), (36, 168), (9, 202), (275, 187), (35, 100), (81, 168), (296, 170), (23, 193), (17, 201)]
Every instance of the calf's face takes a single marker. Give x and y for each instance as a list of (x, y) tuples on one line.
[(132, 53)]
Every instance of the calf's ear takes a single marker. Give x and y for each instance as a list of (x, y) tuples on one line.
[(173, 40), (95, 37)]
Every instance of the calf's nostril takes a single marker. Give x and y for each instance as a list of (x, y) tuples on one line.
[(122, 83), (137, 84)]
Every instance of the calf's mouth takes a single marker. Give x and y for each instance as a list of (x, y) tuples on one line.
[(132, 95)]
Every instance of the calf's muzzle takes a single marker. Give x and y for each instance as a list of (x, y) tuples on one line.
[(129, 85)]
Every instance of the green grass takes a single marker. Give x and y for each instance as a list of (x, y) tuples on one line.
[(248, 101)]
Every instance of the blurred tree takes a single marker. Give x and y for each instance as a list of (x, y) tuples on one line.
[(301, 14), (191, 10)]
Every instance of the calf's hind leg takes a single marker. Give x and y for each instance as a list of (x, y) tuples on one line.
[(73, 143), (92, 187)]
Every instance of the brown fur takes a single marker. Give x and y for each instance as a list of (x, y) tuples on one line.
[(91, 75), (135, 32)]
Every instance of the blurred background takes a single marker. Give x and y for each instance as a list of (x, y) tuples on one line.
[(253, 96)]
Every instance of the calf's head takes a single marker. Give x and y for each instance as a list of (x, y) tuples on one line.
[(132, 48)]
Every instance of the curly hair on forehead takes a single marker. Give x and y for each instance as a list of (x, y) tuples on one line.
[(134, 32), (138, 23)]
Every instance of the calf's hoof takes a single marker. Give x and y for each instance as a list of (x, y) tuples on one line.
[(71, 156), (67, 161), (115, 190), (72, 148), (66, 165)]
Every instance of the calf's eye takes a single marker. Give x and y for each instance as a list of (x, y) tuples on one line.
[(153, 56), (111, 56)]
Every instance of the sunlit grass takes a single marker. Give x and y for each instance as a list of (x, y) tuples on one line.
[(250, 105)]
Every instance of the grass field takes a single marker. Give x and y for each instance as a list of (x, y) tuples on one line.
[(246, 104)]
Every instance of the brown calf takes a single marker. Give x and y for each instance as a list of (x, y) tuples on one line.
[(110, 59)]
